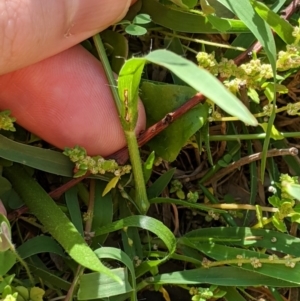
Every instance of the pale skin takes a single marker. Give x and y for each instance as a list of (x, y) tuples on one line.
[(54, 87)]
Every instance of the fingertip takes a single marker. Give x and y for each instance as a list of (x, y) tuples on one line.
[(66, 101)]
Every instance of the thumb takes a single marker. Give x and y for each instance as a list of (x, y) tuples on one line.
[(33, 30)]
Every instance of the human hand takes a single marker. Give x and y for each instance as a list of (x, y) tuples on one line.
[(56, 90)]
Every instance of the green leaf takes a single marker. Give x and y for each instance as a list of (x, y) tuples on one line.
[(219, 276), (103, 212), (246, 13), (274, 201), (283, 28), (36, 294), (110, 185), (49, 277), (57, 223), (184, 204), (147, 223), (74, 209), (198, 78), (293, 190), (40, 244), (169, 143), (252, 93), (270, 90), (185, 4), (184, 21), (275, 134), (135, 30), (7, 261), (278, 223), (141, 19), (5, 185), (206, 8), (276, 271), (148, 165), (39, 158), (248, 238), (97, 285), (160, 184), (119, 255)]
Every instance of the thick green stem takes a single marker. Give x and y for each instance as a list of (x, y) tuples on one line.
[(141, 195), (141, 198)]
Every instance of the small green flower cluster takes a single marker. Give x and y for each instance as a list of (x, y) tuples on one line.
[(6, 121), (250, 74), (253, 73), (211, 215), (95, 165), (293, 108)]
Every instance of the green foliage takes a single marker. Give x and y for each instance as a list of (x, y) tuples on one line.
[(178, 170)]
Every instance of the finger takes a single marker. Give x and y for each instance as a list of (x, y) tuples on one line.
[(32, 30), (66, 100), (2, 209)]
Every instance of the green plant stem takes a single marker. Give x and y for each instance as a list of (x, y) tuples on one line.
[(141, 198), (23, 263), (249, 136), (170, 34), (108, 71), (140, 188)]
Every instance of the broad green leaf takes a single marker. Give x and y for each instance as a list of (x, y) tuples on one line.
[(57, 223), (220, 10), (198, 78), (74, 209), (232, 294), (98, 286), (135, 30), (226, 276), (283, 28), (246, 13), (160, 184), (184, 21), (169, 143), (147, 223), (277, 271), (119, 255), (7, 261), (247, 237), (50, 278), (39, 158), (40, 244), (110, 185), (292, 189), (275, 134), (141, 19)]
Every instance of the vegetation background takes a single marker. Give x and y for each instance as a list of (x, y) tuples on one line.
[(207, 207)]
